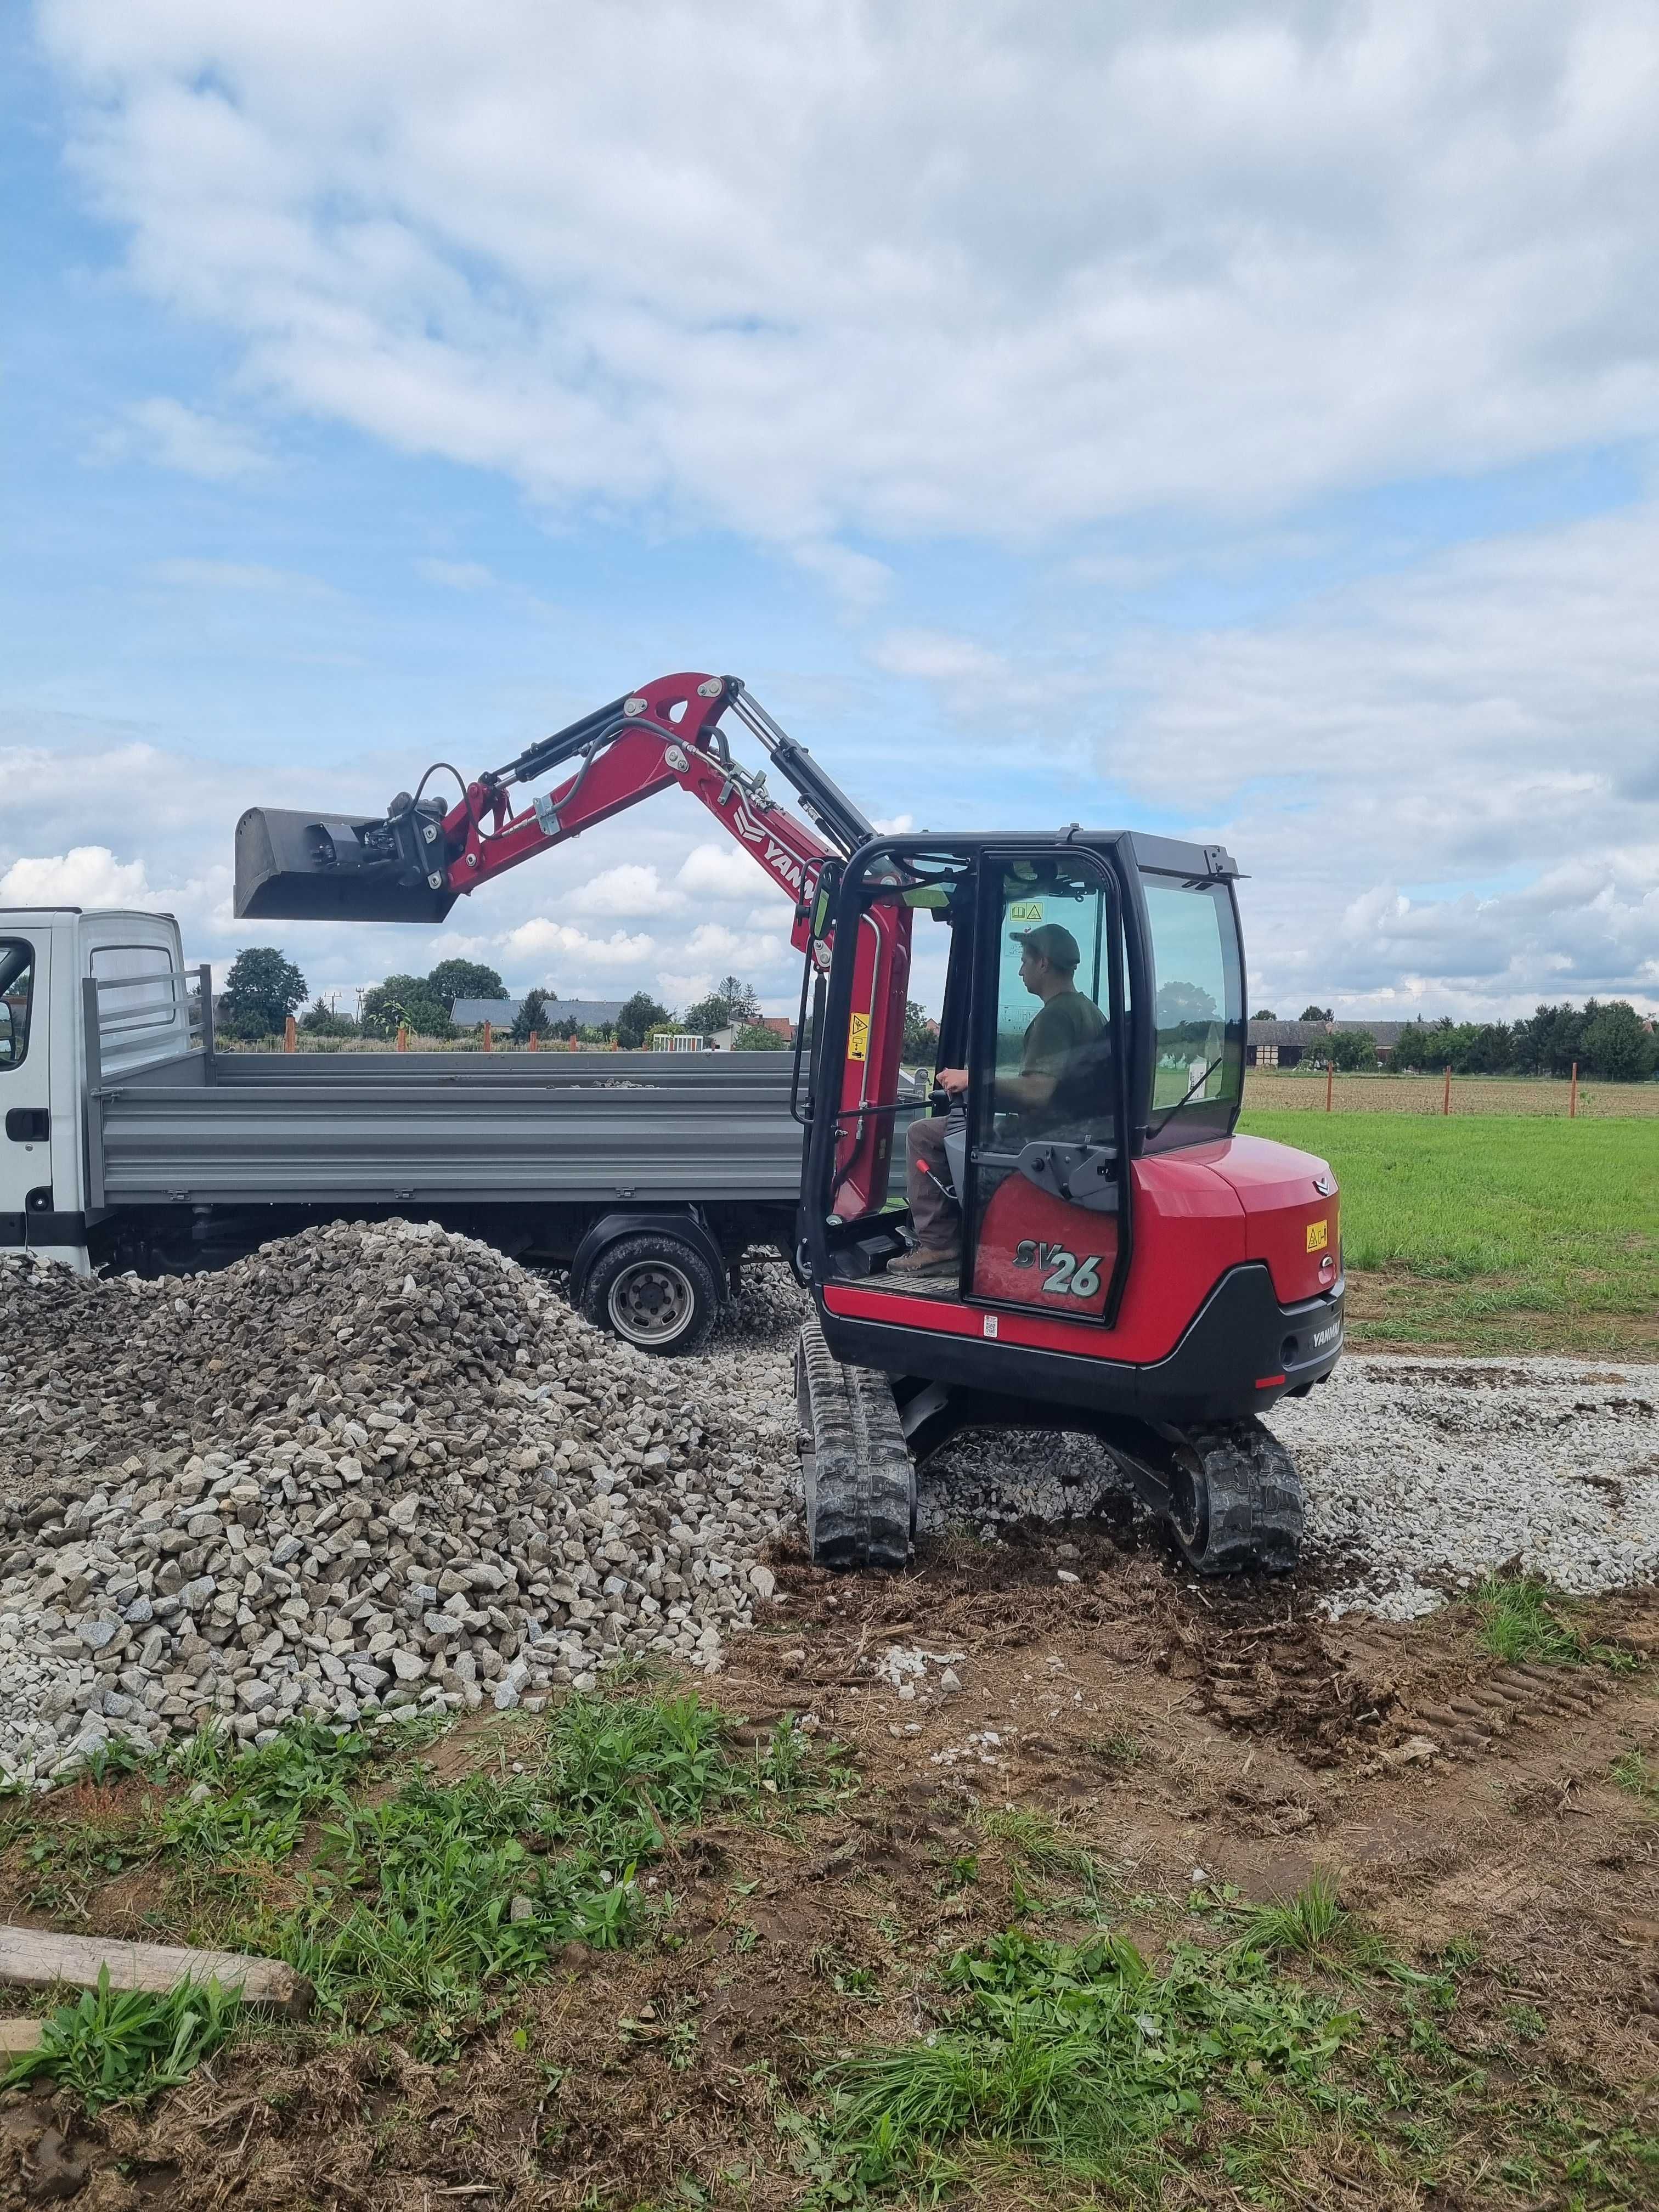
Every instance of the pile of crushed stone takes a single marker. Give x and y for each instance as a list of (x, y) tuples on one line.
[(1420, 1475), (365, 1468)]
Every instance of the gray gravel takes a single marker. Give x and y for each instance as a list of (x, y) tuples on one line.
[(1421, 1475), (372, 1468), (365, 1468)]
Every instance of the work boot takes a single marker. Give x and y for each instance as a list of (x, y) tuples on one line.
[(925, 1261)]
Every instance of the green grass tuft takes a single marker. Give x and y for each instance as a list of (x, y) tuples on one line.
[(1310, 1923), (122, 2046), (1076, 2056), (1524, 1619)]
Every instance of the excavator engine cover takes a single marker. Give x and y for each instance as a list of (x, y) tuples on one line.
[(293, 866)]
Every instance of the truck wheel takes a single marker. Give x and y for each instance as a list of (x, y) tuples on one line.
[(655, 1292)]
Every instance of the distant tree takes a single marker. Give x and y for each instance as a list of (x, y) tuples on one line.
[(755, 1037), (1266, 1014), (533, 1016), (920, 1032), (1316, 1014), (262, 988), (409, 999), (320, 1020), (464, 979), (730, 1005), (1618, 1045), (706, 1017), (1549, 1042), (742, 1003), (1351, 1049), (637, 1018), (1181, 1004)]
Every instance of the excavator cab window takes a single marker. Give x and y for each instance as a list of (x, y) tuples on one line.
[(1198, 1045)]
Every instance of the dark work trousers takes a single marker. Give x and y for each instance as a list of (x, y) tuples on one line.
[(935, 1217)]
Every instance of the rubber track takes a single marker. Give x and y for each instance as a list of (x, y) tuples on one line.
[(1256, 1499), (860, 1481)]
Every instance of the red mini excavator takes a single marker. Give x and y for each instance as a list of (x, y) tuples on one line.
[(1129, 1268)]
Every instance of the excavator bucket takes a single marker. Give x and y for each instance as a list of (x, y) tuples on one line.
[(293, 866)]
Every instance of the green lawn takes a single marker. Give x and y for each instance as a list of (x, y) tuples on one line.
[(1500, 1233)]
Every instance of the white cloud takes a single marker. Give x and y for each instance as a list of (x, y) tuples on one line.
[(718, 871), (175, 436), (545, 939), (631, 888), (457, 575), (192, 576), (938, 658), (86, 875), (986, 272)]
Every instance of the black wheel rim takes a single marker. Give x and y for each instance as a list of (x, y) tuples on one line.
[(651, 1301)]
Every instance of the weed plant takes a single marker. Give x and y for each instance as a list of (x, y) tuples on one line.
[(421, 1906), (122, 2046), (1523, 1620), (1077, 2056)]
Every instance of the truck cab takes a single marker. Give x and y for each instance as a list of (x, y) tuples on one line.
[(135, 963)]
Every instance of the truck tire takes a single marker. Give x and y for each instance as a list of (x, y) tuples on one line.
[(656, 1292)]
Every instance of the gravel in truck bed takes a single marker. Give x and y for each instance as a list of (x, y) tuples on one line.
[(365, 1468)]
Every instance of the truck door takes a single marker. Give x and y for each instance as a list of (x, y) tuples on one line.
[(25, 1095)]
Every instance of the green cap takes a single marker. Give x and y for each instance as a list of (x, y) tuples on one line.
[(1057, 945)]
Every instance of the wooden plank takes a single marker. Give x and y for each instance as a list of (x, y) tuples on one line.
[(18, 2036), (38, 1957)]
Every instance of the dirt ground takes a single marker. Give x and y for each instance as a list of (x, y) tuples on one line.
[(1183, 1736)]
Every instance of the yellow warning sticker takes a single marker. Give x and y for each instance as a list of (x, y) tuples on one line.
[(1025, 910), (1318, 1235), (858, 1043)]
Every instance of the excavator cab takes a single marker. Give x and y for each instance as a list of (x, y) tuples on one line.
[(1127, 1266)]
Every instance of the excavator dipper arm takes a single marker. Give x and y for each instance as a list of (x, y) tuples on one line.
[(411, 864)]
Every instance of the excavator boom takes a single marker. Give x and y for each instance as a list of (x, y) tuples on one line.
[(412, 863)]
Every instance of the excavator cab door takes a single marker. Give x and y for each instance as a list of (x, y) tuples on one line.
[(1020, 941)]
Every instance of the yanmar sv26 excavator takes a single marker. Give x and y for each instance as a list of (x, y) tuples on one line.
[(1130, 1268)]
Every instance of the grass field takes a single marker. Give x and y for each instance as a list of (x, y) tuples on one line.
[(1494, 1233), (1269, 1092)]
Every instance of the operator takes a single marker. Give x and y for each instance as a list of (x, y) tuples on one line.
[(1065, 1022)]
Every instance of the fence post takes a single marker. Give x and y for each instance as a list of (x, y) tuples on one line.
[(290, 1036), (1572, 1096), (403, 1037), (488, 1045), (1445, 1097), (535, 1039), (1330, 1082)]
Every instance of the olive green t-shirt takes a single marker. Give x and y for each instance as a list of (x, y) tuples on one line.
[(1065, 1022)]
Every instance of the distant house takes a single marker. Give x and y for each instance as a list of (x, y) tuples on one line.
[(501, 1013), (779, 1025), (1286, 1044)]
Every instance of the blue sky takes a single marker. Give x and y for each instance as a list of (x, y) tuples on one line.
[(1236, 420)]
